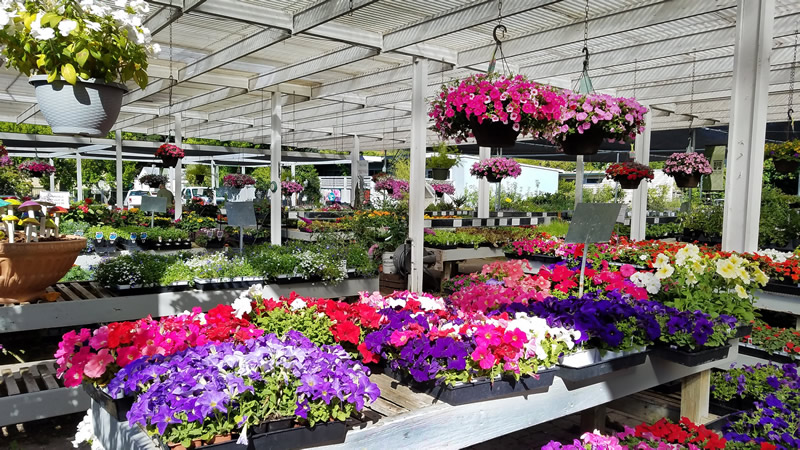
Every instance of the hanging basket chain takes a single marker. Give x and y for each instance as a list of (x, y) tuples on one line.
[(171, 78), (584, 83), (790, 111), (498, 44)]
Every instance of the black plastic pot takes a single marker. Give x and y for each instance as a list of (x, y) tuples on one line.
[(625, 183), (601, 368), (493, 134), (547, 259), (691, 358), (440, 174), (687, 181), (743, 330), (784, 166), (782, 287), (328, 433), (169, 161), (765, 355), (117, 408), (587, 143), (477, 391)]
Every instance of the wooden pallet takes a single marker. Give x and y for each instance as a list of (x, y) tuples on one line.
[(32, 391), (392, 282), (75, 290)]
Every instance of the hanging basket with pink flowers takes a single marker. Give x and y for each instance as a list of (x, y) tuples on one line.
[(495, 109)]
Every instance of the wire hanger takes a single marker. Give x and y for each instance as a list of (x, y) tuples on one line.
[(498, 44), (583, 85), (790, 111)]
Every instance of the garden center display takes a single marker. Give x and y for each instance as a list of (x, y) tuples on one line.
[(169, 154), (496, 169), (687, 168), (64, 46), (629, 174)]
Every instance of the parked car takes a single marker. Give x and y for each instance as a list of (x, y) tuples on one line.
[(133, 199), (207, 194)]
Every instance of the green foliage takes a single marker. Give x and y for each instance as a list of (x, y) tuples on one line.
[(14, 182), (192, 172), (401, 168), (556, 227), (315, 327), (658, 199), (442, 159), (77, 273), (605, 194), (752, 382)]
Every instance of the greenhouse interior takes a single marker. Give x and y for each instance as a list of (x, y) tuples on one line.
[(403, 224)]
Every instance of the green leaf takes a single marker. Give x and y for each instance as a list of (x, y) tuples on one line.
[(140, 77), (81, 57), (50, 18), (52, 76), (41, 60), (69, 74)]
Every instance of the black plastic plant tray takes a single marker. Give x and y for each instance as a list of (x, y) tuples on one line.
[(743, 330), (328, 433), (602, 368), (208, 285), (734, 405), (763, 354), (117, 408), (547, 259), (691, 359), (782, 288), (477, 391)]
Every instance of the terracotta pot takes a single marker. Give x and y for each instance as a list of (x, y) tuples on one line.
[(169, 161), (628, 184), (587, 143), (783, 166), (197, 443), (493, 134), (687, 181), (26, 270)]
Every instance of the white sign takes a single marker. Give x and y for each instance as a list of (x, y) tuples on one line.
[(363, 168), (57, 198)]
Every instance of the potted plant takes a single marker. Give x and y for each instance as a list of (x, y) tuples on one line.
[(495, 169), (590, 118), (238, 180), (629, 174), (443, 188), (441, 163), (495, 109), (77, 55), (154, 181), (687, 168), (784, 155), (35, 168), (291, 187), (169, 154)]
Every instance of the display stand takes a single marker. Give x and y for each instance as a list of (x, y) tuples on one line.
[(591, 223)]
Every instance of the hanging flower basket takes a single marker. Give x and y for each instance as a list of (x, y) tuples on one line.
[(687, 168), (629, 174), (169, 154), (87, 108), (291, 187), (238, 180), (36, 169), (496, 169), (154, 181), (587, 143), (784, 166), (443, 188), (784, 155), (495, 109)]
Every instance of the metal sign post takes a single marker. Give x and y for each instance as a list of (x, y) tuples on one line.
[(591, 223), (154, 205)]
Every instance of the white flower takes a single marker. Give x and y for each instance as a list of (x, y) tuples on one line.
[(255, 292), (39, 33), (397, 302), (86, 3), (66, 26), (5, 17), (155, 48), (94, 26), (664, 272), (741, 292), (120, 3), (661, 261), (241, 306), (140, 6), (298, 303)]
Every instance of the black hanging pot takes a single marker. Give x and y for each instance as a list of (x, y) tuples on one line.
[(493, 178), (628, 184), (587, 143), (169, 161), (440, 194), (493, 134), (687, 180), (200, 178), (440, 174), (784, 166)]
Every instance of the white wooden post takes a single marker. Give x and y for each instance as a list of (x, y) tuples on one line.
[(276, 105), (354, 155), (52, 177), (213, 174), (118, 139), (294, 196), (241, 169), (578, 179), (178, 169), (747, 130), (483, 186), (639, 202), (79, 174), (416, 200)]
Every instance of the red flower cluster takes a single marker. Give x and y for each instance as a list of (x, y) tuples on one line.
[(630, 170), (684, 432), (170, 150)]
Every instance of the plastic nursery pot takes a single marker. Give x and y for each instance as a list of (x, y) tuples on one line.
[(440, 174), (625, 183), (784, 166), (493, 134), (27, 269), (439, 194), (169, 161), (587, 143), (691, 358), (117, 408), (493, 178), (197, 443), (687, 181), (88, 108)]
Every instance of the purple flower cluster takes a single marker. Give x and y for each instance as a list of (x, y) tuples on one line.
[(36, 168), (687, 164), (397, 187), (291, 187), (498, 167), (444, 188), (204, 383)]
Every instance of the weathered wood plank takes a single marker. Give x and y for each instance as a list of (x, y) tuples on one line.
[(101, 290), (11, 384), (67, 292), (694, 396), (82, 291), (400, 394), (387, 408), (49, 380), (30, 383)]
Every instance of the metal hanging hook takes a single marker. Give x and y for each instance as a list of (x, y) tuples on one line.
[(585, 50), (502, 28)]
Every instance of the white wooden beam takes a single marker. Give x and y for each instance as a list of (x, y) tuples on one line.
[(303, 69), (325, 11), (201, 100)]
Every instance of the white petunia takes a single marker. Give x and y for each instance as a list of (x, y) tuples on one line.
[(241, 306), (94, 26), (66, 26), (39, 33), (120, 3), (298, 303)]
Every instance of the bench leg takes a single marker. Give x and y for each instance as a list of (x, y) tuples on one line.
[(594, 419), (695, 390)]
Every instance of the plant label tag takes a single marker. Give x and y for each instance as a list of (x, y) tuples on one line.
[(144, 236), (79, 233), (98, 235), (220, 233), (132, 237), (112, 237)]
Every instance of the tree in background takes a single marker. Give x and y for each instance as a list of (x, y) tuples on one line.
[(195, 170), (306, 175)]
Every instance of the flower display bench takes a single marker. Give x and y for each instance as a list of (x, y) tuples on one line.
[(775, 301), (403, 418), (446, 260)]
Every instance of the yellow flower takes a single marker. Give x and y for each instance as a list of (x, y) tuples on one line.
[(726, 268), (761, 277), (736, 260), (697, 266), (664, 272), (741, 272), (508, 200), (199, 220), (741, 292), (662, 260)]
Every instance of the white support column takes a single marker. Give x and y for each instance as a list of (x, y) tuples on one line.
[(241, 169), (52, 177), (578, 179), (213, 174), (275, 166), (354, 156), (178, 169), (483, 186), (639, 202), (294, 196), (118, 139), (79, 167), (416, 197), (745, 164)]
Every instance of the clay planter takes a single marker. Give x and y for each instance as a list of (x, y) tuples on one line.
[(628, 184), (687, 181), (783, 166), (493, 134), (197, 443), (587, 143), (26, 270), (169, 161)]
